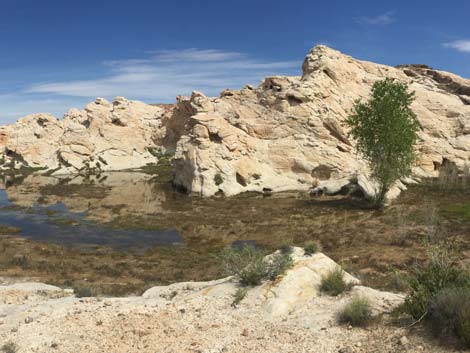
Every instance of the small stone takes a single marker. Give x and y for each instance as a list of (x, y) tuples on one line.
[(245, 332), (350, 327), (14, 329), (420, 348), (54, 345), (28, 320), (358, 344), (404, 341)]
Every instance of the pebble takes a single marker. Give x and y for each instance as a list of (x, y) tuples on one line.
[(404, 341), (28, 320)]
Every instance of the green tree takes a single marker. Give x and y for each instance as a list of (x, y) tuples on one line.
[(386, 131)]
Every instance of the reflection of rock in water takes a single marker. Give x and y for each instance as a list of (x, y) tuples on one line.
[(114, 195)]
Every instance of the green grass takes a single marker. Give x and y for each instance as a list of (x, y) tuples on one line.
[(311, 247), (239, 295), (251, 267), (461, 210), (440, 296), (333, 283), (356, 313), (449, 314)]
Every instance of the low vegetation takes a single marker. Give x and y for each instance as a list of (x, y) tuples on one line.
[(356, 313), (251, 266), (83, 291), (386, 131), (239, 295), (311, 247), (440, 296), (334, 284)]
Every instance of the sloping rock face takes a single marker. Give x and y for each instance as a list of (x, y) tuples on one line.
[(104, 136), (290, 133)]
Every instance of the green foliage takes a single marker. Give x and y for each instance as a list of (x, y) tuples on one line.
[(386, 130), (239, 295), (278, 264), (356, 313), (251, 267), (83, 291), (333, 283), (429, 279), (449, 314), (311, 247)]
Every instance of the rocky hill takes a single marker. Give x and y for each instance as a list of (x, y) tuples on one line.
[(286, 134)]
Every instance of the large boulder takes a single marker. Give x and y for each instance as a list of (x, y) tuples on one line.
[(290, 132)]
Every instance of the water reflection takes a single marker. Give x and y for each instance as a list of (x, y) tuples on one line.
[(81, 212)]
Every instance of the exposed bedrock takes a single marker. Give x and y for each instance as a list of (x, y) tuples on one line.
[(289, 133)]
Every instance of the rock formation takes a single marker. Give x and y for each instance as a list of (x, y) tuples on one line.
[(287, 134), (284, 315), (102, 137)]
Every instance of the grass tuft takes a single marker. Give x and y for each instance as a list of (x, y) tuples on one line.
[(311, 247), (334, 284), (356, 313)]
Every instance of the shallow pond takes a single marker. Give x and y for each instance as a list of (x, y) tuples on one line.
[(131, 229)]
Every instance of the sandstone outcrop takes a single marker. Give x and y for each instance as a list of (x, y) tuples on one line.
[(103, 137), (289, 133)]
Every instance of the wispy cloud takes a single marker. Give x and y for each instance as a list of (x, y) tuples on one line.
[(379, 20), (462, 45), (166, 74), (158, 76)]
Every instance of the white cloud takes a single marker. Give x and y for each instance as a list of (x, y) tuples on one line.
[(379, 20), (169, 73), (157, 78), (462, 45)]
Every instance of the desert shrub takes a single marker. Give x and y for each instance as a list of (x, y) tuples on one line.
[(427, 280), (356, 313), (9, 347), (239, 295), (250, 266), (83, 291), (311, 247), (449, 314), (450, 179), (386, 131), (286, 247), (278, 264), (333, 283)]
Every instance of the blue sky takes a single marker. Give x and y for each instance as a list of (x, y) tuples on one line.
[(58, 54)]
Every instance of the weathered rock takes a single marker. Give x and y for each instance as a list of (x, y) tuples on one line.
[(102, 137), (287, 134), (290, 132), (286, 314)]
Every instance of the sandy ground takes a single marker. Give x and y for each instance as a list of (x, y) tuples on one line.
[(199, 317)]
